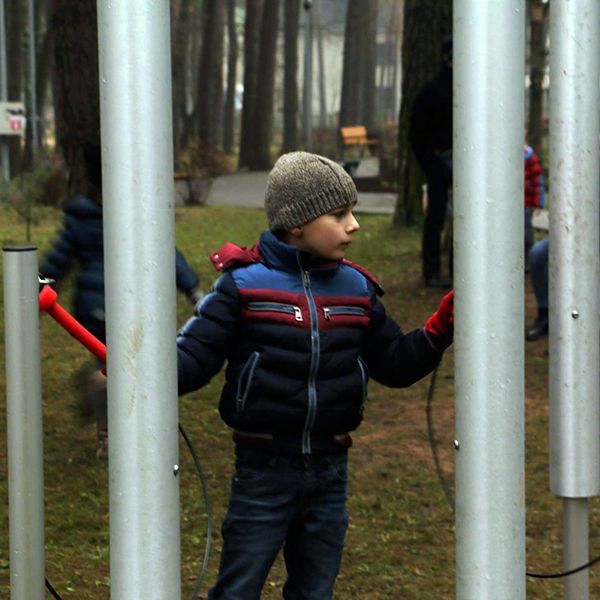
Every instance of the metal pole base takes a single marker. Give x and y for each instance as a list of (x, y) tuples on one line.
[(575, 547)]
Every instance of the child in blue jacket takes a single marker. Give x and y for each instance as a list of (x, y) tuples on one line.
[(80, 247), (302, 330)]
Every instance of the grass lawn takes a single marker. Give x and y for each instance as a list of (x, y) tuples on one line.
[(400, 543)]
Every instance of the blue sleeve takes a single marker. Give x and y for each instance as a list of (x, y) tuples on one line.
[(185, 277), (394, 358), (204, 341)]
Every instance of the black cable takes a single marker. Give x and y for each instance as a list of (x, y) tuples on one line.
[(433, 443), (52, 590), (204, 567), (204, 484), (447, 492), (587, 565), (44, 281)]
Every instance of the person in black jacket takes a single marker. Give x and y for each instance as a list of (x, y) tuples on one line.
[(80, 246), (431, 141), (302, 330)]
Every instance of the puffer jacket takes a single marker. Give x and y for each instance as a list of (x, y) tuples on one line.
[(80, 242), (534, 180), (301, 338)]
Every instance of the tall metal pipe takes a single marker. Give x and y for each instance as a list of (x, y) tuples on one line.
[(24, 423), (574, 272), (488, 278), (139, 245)]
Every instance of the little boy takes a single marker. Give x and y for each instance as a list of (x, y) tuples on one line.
[(302, 330)]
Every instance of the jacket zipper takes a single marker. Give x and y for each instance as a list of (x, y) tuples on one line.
[(249, 371), (364, 372), (332, 311), (277, 307), (314, 362)]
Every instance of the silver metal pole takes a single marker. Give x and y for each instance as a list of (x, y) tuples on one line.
[(574, 272), (308, 75), (488, 252), (139, 245), (24, 423), (33, 116), (576, 547), (4, 155)]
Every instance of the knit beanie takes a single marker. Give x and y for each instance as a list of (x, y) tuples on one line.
[(303, 186)]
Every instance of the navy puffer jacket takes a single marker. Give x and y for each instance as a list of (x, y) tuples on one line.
[(301, 338), (81, 243)]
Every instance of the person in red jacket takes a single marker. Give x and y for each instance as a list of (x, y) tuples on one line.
[(535, 195)]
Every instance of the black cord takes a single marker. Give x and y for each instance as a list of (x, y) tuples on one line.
[(52, 590), (200, 473), (447, 492), (44, 281), (587, 565), (204, 484), (433, 443)]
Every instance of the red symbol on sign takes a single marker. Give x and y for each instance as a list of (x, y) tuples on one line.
[(16, 123)]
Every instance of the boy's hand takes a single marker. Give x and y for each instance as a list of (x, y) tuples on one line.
[(440, 325)]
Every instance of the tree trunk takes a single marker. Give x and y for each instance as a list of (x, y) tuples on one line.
[(321, 61), (15, 20), (180, 26), (386, 98), (263, 110), (44, 53), (28, 151), (360, 59), (77, 94), (368, 116), (426, 22), (210, 90), (537, 63), (349, 108), (232, 57), (192, 70), (291, 12), (251, 37)]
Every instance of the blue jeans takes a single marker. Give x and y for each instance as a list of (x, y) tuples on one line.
[(538, 268), (298, 503)]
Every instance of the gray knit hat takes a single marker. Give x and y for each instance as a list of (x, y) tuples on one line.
[(304, 186)]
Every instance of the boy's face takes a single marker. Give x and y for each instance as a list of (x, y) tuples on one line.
[(327, 236)]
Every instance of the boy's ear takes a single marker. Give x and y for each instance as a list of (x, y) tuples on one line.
[(296, 231)]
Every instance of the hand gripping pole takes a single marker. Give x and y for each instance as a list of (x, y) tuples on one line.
[(49, 304)]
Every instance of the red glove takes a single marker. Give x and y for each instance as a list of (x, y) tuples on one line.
[(440, 325)]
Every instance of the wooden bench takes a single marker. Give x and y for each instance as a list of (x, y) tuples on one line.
[(355, 136)]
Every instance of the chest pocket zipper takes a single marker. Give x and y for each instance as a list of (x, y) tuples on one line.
[(245, 381), (333, 311), (277, 307)]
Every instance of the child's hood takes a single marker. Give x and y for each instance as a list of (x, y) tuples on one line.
[(229, 255)]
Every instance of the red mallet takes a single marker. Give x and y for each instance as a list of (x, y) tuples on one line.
[(49, 304)]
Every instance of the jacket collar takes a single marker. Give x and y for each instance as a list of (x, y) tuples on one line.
[(271, 251), (287, 257)]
